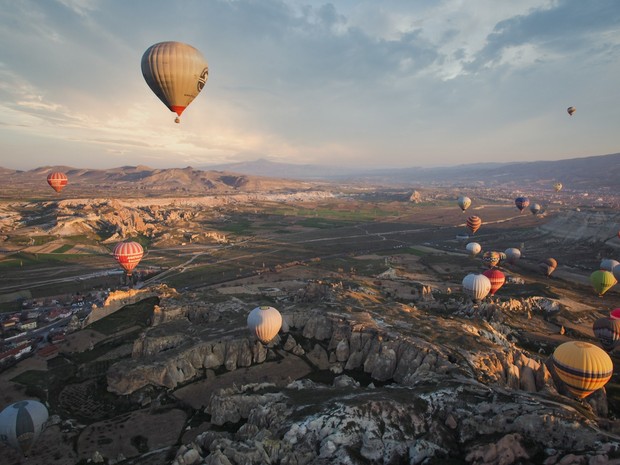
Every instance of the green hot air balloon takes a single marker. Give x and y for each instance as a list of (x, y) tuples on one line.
[(602, 281)]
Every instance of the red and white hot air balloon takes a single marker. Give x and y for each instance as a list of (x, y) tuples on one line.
[(497, 279), (57, 180), (128, 255), (176, 73)]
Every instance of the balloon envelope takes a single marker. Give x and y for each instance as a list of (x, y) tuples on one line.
[(557, 186), (607, 330), (583, 367), (464, 202), (497, 279), (264, 322), (522, 202), (548, 266), (608, 264), (473, 223), (602, 281), (21, 424), (491, 258), (57, 180), (128, 255), (512, 255), (535, 208), (477, 286), (175, 72), (473, 248), (571, 110), (615, 313)]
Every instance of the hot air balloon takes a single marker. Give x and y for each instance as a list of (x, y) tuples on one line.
[(473, 223), (521, 203), (607, 330), (615, 313), (571, 110), (602, 281), (464, 202), (616, 271), (557, 186), (477, 286), (548, 266), (583, 367), (491, 258), (608, 264), (473, 248), (176, 73), (497, 279), (128, 254), (535, 208), (512, 255), (502, 257), (264, 322), (57, 180), (22, 423)]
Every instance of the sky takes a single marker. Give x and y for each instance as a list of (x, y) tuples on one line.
[(351, 83)]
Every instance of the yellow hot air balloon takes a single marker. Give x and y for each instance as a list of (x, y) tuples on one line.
[(176, 73), (264, 322), (583, 367), (602, 281)]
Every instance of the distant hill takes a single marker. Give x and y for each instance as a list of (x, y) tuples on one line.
[(602, 170)]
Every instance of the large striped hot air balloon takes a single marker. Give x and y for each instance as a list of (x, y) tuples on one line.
[(22, 423), (521, 203), (264, 322), (473, 223), (57, 180), (464, 202), (602, 281), (497, 279), (176, 73), (548, 266), (477, 286), (607, 330), (583, 367), (128, 255), (491, 258)]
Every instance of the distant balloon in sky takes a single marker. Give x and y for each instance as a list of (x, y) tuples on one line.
[(583, 367), (477, 286), (521, 203), (264, 322), (128, 255), (535, 208), (512, 255), (548, 266), (473, 248), (57, 180), (557, 186), (473, 223), (497, 279), (464, 202), (21, 424), (572, 110), (602, 281), (176, 73)]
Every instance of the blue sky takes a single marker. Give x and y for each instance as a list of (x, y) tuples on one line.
[(348, 83)]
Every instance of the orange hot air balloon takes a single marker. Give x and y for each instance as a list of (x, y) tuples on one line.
[(176, 73), (497, 279), (473, 223), (491, 258), (128, 255), (265, 323), (583, 367), (548, 266), (57, 180)]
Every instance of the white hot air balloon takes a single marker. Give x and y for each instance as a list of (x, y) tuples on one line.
[(512, 255), (176, 73), (477, 286), (608, 264), (264, 322), (21, 424), (473, 248)]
